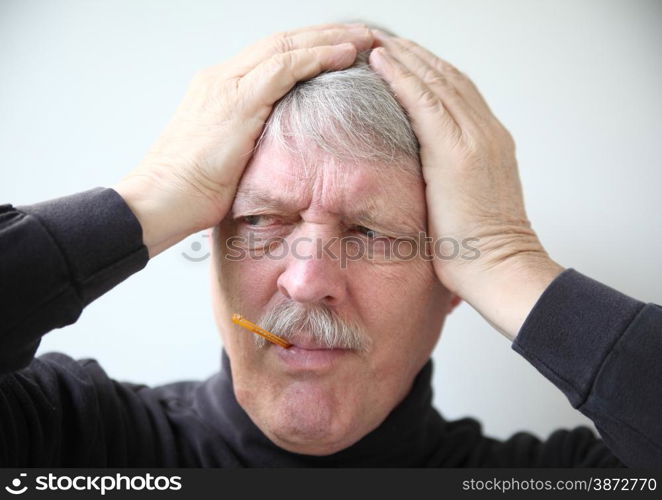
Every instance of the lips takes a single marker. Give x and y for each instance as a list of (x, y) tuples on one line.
[(310, 345), (304, 341), (308, 355)]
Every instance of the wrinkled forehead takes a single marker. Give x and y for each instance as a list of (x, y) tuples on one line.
[(318, 178)]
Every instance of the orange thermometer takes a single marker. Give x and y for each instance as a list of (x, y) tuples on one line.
[(249, 325)]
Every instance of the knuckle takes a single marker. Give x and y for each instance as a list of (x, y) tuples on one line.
[(282, 43), (281, 61), (447, 69), (427, 99), (472, 145), (439, 65), (405, 74), (453, 93), (408, 44), (453, 71), (432, 77), (460, 75), (459, 78)]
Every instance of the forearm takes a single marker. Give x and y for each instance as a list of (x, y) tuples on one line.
[(602, 349), (55, 258)]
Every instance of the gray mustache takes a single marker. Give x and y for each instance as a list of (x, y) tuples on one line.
[(292, 319)]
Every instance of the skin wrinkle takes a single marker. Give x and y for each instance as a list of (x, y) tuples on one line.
[(335, 145), (348, 125), (252, 201), (400, 306)]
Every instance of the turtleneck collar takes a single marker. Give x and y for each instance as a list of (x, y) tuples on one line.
[(408, 437)]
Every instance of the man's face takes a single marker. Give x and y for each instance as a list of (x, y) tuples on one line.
[(320, 401)]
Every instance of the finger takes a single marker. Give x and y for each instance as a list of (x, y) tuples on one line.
[(468, 113), (273, 78), (463, 113), (325, 26), (248, 59), (461, 81), (425, 108)]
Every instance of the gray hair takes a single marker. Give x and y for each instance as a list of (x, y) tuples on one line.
[(351, 114)]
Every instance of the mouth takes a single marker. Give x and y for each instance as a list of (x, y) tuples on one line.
[(310, 345), (308, 355)]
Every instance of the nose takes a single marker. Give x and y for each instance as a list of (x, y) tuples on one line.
[(313, 271)]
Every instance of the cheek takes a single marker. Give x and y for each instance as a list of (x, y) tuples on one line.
[(248, 285), (404, 305), (243, 280), (395, 292), (244, 286)]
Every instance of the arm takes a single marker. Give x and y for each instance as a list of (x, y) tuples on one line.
[(602, 349), (578, 447), (595, 344), (58, 256)]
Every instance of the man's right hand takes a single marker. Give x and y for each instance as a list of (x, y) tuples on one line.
[(187, 180)]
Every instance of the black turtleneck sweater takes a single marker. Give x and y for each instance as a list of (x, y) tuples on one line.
[(598, 346)]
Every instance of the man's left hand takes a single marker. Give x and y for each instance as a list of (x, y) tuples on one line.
[(473, 189)]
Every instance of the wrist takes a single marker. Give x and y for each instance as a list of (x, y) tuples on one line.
[(506, 291), (160, 216)]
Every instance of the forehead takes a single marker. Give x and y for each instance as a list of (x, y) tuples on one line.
[(323, 182)]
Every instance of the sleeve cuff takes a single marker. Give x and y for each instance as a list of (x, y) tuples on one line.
[(98, 235), (571, 330)]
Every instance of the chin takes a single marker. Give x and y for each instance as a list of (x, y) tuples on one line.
[(312, 420)]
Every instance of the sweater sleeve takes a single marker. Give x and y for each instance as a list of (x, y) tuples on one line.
[(56, 257), (602, 349)]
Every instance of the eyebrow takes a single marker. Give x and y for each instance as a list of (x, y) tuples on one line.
[(260, 202), (253, 198)]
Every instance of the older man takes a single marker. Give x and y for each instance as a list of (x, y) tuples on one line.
[(309, 214)]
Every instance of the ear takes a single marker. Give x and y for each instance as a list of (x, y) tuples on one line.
[(454, 302)]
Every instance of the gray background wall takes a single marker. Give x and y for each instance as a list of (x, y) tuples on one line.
[(86, 86)]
